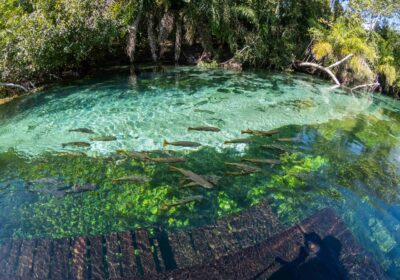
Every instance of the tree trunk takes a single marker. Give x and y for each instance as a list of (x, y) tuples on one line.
[(166, 27), (152, 37), (178, 38), (132, 34), (206, 42)]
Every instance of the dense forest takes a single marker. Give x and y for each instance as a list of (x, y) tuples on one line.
[(355, 42)]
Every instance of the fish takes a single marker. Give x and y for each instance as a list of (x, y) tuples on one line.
[(181, 143), (134, 154), (132, 179), (76, 144), (56, 193), (82, 130), (238, 141), (267, 161), (78, 188), (244, 167), (198, 179), (293, 140), (260, 132), (186, 200), (70, 154), (214, 179), (205, 128), (275, 147), (167, 160), (238, 173), (204, 111), (103, 138), (201, 103)]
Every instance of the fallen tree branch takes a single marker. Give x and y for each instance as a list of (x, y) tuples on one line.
[(365, 85), (340, 61), (234, 57), (319, 67), (14, 86)]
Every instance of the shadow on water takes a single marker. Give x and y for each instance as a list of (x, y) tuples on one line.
[(318, 259)]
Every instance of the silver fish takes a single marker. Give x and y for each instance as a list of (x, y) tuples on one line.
[(76, 144), (82, 130), (181, 143), (205, 128), (198, 179), (267, 161), (187, 200), (260, 132), (103, 138)]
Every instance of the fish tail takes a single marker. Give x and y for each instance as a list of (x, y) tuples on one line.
[(165, 143), (63, 145), (190, 128)]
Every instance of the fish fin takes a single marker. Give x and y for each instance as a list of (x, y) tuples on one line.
[(165, 143)]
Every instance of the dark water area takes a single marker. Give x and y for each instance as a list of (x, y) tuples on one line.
[(333, 149)]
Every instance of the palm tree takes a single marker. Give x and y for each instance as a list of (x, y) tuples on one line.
[(345, 38)]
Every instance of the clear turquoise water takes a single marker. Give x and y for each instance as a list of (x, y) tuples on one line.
[(347, 155), (155, 107)]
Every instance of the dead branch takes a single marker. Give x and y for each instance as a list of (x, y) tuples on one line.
[(319, 67), (14, 86), (373, 85), (340, 61)]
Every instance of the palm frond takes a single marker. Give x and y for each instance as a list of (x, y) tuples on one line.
[(321, 50)]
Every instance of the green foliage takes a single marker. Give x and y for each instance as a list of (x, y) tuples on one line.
[(53, 36), (58, 35), (345, 36)]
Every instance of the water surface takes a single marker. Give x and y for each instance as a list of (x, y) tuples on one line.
[(344, 153)]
